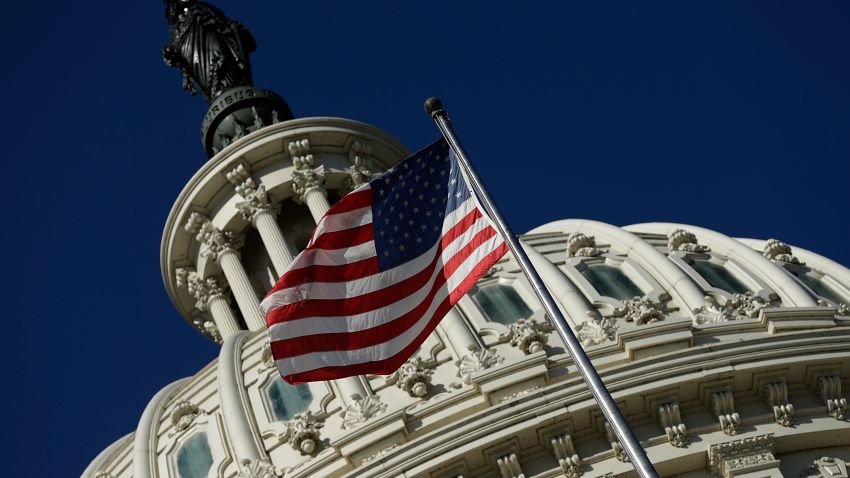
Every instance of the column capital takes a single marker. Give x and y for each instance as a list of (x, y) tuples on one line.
[(361, 170), (256, 198), (307, 177), (204, 290), (215, 241)]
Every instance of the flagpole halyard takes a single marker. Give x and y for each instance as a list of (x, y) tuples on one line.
[(627, 439)]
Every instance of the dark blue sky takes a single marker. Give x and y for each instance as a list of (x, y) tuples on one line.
[(730, 115)]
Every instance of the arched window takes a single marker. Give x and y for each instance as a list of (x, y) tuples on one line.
[(610, 281), (501, 303), (720, 277), (194, 459), (819, 288), (286, 400)]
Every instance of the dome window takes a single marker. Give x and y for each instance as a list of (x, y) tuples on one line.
[(501, 303), (611, 282), (287, 400), (818, 287), (194, 459), (720, 277)]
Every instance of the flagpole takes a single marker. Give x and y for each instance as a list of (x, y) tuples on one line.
[(627, 439)]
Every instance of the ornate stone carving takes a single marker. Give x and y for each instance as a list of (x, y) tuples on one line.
[(183, 414), (682, 240), (256, 198), (528, 335), (739, 306), (619, 452), (302, 433), (640, 310), (509, 466), (724, 409), (740, 456), (214, 240), (843, 309), (581, 245), (266, 359), (476, 361), (380, 454), (361, 170), (414, 377), (597, 331), (829, 388), (306, 177), (520, 394), (777, 250), (361, 410), (261, 468), (209, 328), (202, 289), (776, 396), (671, 421), (565, 453), (826, 467)]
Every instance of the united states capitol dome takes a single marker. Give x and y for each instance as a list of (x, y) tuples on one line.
[(725, 355)]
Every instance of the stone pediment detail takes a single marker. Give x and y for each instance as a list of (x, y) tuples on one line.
[(826, 467), (742, 456), (682, 240)]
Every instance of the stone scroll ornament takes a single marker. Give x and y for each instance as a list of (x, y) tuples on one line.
[(210, 50)]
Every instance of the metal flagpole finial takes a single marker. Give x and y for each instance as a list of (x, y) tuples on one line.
[(434, 106)]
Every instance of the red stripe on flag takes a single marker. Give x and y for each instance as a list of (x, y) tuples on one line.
[(321, 273), (370, 300), (345, 238), (391, 364), (382, 333)]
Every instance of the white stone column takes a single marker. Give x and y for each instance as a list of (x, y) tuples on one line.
[(261, 213), (308, 180), (222, 246), (210, 295), (308, 187), (461, 339)]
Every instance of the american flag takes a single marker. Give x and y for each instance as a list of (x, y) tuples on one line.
[(384, 265)]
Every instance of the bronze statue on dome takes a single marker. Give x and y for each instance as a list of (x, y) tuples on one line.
[(210, 50)]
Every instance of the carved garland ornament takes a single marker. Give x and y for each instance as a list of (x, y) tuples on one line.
[(413, 377), (529, 335), (736, 457), (640, 310), (739, 306), (302, 433)]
